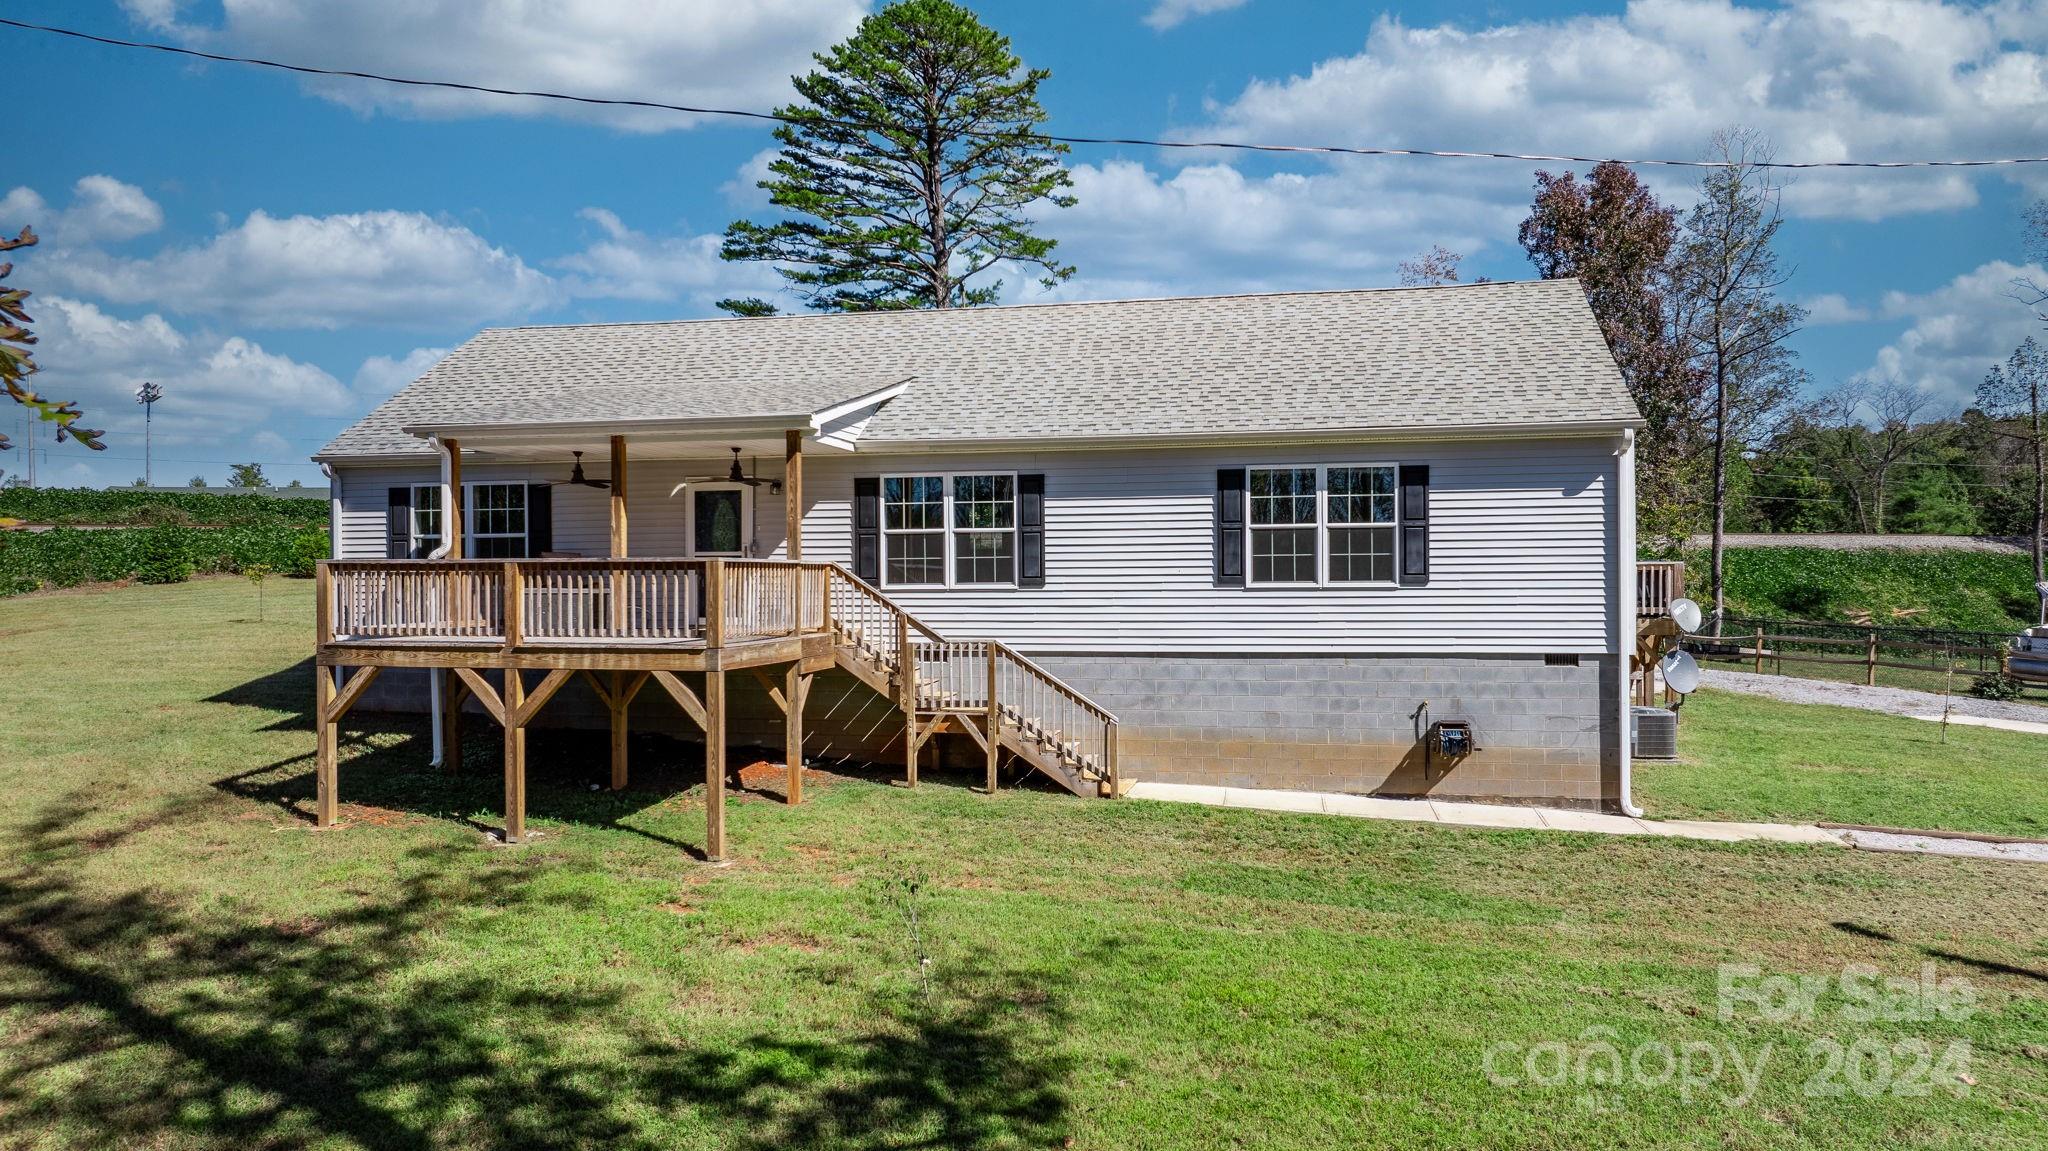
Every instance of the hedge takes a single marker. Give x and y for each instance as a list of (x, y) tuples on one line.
[(132, 506), (65, 557), (1945, 588)]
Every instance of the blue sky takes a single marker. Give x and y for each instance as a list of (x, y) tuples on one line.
[(282, 254)]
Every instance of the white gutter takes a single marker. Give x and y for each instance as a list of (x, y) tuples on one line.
[(1575, 429), (1625, 601), (440, 675)]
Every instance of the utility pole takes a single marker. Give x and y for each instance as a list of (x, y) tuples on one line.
[(147, 395)]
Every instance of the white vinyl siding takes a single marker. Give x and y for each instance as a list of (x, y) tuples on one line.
[(1522, 542)]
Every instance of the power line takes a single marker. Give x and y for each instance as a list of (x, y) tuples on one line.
[(1111, 141)]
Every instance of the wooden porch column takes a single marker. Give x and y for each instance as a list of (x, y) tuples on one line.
[(514, 697), (618, 497), (451, 516), (329, 746), (793, 492), (714, 765)]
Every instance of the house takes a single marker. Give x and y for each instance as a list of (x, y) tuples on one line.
[(1361, 541)]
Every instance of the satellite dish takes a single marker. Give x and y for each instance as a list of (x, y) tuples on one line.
[(1681, 672), (1687, 613)]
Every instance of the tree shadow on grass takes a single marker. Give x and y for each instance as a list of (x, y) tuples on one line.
[(1987, 966), (135, 1020)]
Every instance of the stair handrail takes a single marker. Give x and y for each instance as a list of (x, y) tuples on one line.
[(908, 660)]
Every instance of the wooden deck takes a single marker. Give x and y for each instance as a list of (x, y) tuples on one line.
[(621, 624)]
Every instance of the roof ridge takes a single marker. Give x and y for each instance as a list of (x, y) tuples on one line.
[(1042, 304)]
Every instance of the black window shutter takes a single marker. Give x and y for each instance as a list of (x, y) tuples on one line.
[(1031, 530), (867, 528), (398, 524), (1230, 527), (1414, 525), (540, 519)]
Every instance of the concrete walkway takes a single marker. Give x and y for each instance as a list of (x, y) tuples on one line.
[(1480, 814), (1495, 815), (2026, 725)]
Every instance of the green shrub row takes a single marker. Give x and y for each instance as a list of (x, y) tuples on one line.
[(1985, 591), (131, 506), (65, 557)]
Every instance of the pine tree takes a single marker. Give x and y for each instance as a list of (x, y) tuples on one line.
[(910, 169)]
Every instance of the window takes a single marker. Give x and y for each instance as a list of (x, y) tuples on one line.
[(984, 529), (1361, 524), (914, 530), (941, 531), (497, 520), (1282, 521), (1334, 524), (426, 519)]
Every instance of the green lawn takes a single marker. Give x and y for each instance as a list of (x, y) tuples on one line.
[(1743, 757), (185, 962)]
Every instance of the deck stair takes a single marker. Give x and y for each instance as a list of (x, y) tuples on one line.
[(983, 689)]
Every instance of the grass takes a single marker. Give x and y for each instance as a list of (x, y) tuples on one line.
[(185, 962), (1744, 757)]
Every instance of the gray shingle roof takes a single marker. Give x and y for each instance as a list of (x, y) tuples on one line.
[(1420, 359)]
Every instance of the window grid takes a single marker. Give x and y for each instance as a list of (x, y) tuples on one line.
[(497, 520), (1316, 525), (949, 530), (426, 519)]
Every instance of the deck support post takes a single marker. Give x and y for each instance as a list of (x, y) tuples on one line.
[(793, 493), (994, 721), (906, 678), (514, 697), (714, 765), (795, 686), (616, 701), (453, 693), (329, 746)]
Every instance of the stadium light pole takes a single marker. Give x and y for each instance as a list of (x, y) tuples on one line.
[(147, 395)]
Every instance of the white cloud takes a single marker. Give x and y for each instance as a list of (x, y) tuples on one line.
[(1833, 308), (1956, 332), (1827, 79), (380, 376), (393, 268), (103, 210), (1170, 13), (1213, 228), (702, 54), (628, 265), (99, 359)]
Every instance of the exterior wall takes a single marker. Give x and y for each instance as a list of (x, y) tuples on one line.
[(1521, 558), (1358, 723), (1300, 687)]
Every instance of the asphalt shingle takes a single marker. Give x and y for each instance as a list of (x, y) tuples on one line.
[(1422, 359)]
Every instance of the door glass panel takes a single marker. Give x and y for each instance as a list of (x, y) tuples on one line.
[(718, 522)]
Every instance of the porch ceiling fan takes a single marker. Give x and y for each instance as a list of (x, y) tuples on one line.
[(735, 475), (577, 477)]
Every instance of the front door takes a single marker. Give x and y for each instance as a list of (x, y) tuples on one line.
[(721, 519)]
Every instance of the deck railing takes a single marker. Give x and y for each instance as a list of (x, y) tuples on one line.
[(624, 601), (461, 600), (1658, 582)]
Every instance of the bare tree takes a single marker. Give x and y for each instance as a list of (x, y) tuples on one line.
[(1861, 432), (1431, 269), (2018, 393), (1726, 278)]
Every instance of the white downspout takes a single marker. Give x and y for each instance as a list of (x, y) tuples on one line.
[(1625, 600), (436, 677)]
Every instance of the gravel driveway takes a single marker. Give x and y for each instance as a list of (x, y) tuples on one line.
[(1893, 700)]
